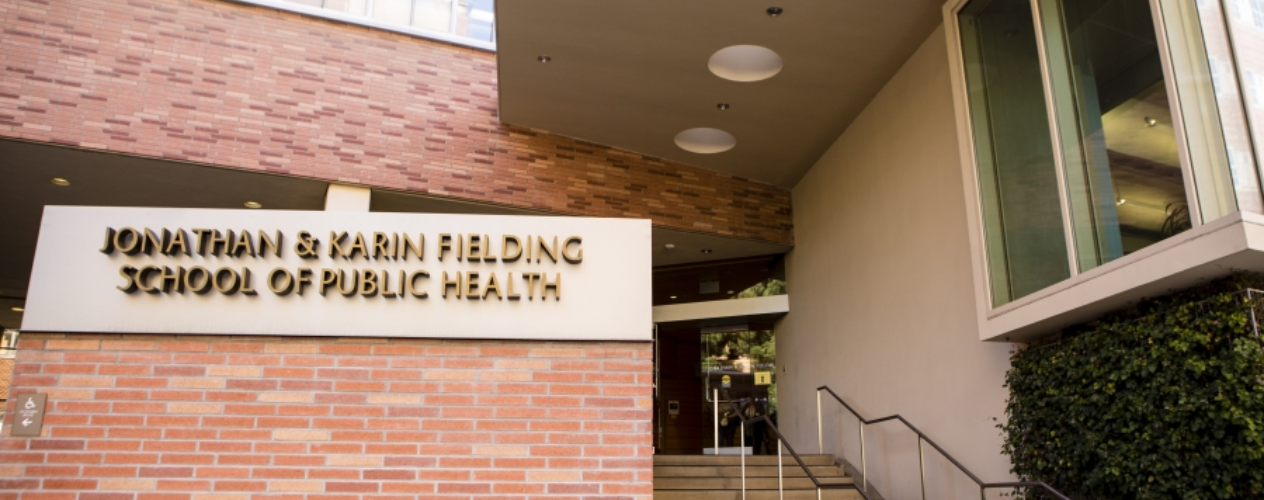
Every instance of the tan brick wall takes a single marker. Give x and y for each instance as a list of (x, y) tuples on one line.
[(233, 418), (252, 88)]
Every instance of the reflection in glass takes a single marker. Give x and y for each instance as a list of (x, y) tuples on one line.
[(393, 11), (1018, 183), (477, 19), (1213, 122), (433, 15), (348, 6), (1245, 32), (1125, 185)]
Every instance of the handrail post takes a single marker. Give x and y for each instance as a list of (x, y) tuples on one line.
[(982, 493), (742, 451), (780, 490), (820, 436), (864, 467), (715, 404), (921, 462)]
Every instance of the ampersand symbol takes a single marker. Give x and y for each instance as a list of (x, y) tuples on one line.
[(306, 245)]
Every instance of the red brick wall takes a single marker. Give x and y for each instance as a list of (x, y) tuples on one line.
[(252, 88), (238, 418)]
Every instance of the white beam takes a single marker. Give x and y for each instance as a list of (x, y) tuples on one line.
[(340, 198), (715, 309)]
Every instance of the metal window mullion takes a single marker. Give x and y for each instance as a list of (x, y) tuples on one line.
[(971, 144), (1055, 134), (456, 4), (1178, 118)]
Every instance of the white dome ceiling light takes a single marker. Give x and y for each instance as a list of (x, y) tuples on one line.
[(745, 63), (705, 140)]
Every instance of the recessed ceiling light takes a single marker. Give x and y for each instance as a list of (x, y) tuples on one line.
[(58, 181), (1121, 201), (673, 296), (17, 309), (730, 292), (670, 246), (705, 140), (544, 59), (253, 204), (745, 63), (774, 11), (1150, 122), (706, 250), (722, 106)]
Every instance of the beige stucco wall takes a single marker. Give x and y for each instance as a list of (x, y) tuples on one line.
[(881, 295)]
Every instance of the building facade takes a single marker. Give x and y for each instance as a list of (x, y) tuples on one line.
[(911, 192)]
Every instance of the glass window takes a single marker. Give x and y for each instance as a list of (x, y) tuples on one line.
[(433, 15), (393, 11), (1018, 183), (1123, 167), (471, 19), (349, 6), (477, 19)]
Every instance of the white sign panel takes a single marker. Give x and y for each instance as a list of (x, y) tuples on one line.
[(260, 272)]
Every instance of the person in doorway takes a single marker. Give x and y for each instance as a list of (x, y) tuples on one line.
[(729, 423), (757, 429)]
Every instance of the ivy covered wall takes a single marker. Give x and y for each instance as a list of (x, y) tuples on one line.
[(1165, 400)]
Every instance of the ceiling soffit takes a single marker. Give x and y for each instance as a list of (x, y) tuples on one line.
[(633, 74)]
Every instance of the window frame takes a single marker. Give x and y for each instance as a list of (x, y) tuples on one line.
[(1045, 306), (370, 22)]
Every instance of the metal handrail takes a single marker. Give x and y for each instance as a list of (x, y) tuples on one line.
[(921, 438), (781, 442)]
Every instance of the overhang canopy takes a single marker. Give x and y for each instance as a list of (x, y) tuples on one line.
[(633, 74)]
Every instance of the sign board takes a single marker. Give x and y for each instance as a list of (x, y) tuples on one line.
[(261, 272), (763, 378), (28, 416)]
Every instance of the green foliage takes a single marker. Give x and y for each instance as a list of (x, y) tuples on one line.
[(1165, 400), (767, 288)]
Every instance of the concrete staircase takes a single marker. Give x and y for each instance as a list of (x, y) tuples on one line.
[(709, 477)]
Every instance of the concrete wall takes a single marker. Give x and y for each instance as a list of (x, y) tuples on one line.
[(882, 300), (164, 417)]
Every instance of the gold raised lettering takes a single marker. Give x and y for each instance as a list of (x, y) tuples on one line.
[(273, 245), (304, 278), (417, 248), (566, 246), (194, 284), (108, 247), (556, 285), (178, 239), (471, 285), (492, 286), (551, 252), (283, 288), (455, 283), (505, 254), (128, 273)]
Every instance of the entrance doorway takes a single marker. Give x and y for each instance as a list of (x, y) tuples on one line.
[(696, 364)]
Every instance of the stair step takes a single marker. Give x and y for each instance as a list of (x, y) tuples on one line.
[(790, 470), (838, 494), (735, 460), (735, 483)]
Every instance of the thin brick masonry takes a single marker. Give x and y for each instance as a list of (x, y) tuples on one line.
[(247, 418), (239, 86)]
